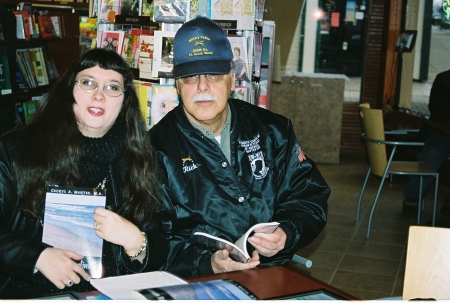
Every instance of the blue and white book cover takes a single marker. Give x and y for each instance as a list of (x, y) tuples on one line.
[(68, 223)]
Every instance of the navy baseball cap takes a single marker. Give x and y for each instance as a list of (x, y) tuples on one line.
[(201, 46)]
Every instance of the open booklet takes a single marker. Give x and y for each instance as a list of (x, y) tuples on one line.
[(68, 223), (238, 250), (206, 290)]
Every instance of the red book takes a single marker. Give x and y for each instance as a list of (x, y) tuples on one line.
[(46, 26)]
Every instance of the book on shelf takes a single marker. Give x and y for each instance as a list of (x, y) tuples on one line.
[(68, 223), (131, 7), (108, 9), (220, 289), (171, 11), (130, 49), (241, 59), (112, 40), (5, 78), (145, 64), (145, 101), (163, 54), (238, 250), (46, 26), (30, 109), (50, 65), (57, 26), (243, 11), (20, 26), (66, 22), (24, 24), (25, 62), (39, 66)]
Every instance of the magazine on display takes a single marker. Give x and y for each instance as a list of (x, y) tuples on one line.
[(163, 54), (171, 11), (68, 223), (238, 250)]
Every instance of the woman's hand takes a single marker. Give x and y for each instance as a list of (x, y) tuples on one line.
[(118, 230), (59, 267)]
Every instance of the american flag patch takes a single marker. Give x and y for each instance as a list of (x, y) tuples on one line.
[(301, 155)]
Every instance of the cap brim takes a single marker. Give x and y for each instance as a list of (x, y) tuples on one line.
[(201, 67)]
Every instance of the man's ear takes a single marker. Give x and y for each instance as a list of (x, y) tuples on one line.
[(233, 81)]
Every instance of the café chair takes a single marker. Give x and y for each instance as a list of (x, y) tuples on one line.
[(427, 264), (382, 166)]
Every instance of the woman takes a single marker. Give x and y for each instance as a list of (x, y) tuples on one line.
[(89, 131)]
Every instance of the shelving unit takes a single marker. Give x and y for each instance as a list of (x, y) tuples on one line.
[(61, 50)]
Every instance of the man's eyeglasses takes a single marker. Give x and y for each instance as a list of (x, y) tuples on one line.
[(90, 86), (194, 79)]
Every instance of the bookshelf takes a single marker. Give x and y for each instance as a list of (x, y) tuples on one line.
[(60, 51)]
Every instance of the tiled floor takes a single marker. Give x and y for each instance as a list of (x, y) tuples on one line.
[(342, 255)]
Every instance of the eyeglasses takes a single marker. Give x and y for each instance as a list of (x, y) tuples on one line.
[(194, 79), (90, 86)]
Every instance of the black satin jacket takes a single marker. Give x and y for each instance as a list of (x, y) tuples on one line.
[(269, 179), (21, 235)]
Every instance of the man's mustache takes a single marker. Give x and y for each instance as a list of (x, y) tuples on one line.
[(204, 97)]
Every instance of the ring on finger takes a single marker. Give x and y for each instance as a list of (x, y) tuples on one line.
[(69, 283), (96, 225)]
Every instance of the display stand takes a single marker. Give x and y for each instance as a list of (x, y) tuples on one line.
[(250, 36)]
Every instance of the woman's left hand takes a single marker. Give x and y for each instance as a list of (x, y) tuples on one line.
[(116, 229)]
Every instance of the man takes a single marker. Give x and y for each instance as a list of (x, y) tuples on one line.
[(228, 165), (437, 144)]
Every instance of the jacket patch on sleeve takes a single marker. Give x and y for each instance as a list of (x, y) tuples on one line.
[(256, 157), (188, 164), (300, 154)]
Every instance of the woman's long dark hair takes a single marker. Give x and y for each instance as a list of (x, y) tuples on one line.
[(53, 140)]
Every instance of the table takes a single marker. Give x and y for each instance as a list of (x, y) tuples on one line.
[(276, 282)]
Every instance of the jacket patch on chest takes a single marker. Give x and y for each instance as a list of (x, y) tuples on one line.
[(188, 164), (256, 157)]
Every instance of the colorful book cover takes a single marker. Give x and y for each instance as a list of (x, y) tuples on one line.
[(108, 9), (131, 7), (244, 13), (145, 101), (164, 99), (69, 223), (163, 54), (30, 109), (146, 46), (5, 80), (112, 40), (130, 50), (239, 47), (171, 11), (222, 10), (38, 64), (46, 26)]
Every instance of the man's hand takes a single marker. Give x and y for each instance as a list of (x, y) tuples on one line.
[(59, 267), (269, 245), (221, 262)]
